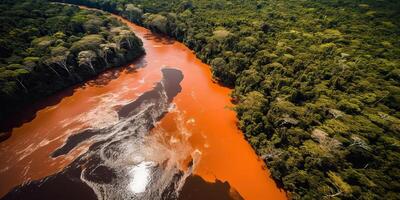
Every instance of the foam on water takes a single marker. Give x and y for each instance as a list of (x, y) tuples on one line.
[(124, 161), (140, 175), (145, 165)]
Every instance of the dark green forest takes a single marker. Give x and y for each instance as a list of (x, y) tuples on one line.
[(46, 47), (316, 83)]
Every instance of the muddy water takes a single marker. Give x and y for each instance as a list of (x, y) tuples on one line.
[(198, 134)]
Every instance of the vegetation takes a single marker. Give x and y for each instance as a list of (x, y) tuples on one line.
[(45, 47), (317, 83)]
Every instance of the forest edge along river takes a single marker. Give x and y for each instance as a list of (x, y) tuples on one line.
[(147, 131)]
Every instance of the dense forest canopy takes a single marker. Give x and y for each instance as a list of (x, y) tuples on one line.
[(317, 83), (45, 47)]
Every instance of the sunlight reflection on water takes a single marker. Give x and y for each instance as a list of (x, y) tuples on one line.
[(140, 177)]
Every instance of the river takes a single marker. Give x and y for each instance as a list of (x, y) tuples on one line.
[(159, 125)]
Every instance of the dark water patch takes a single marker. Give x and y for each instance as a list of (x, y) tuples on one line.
[(63, 186), (4, 135), (134, 107), (196, 188), (27, 112), (104, 170), (139, 63), (169, 86), (159, 38), (67, 185), (107, 170), (100, 174), (73, 141), (112, 73)]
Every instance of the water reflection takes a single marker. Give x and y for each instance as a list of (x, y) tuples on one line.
[(196, 126), (125, 161), (140, 177)]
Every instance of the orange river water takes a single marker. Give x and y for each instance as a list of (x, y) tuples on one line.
[(201, 109)]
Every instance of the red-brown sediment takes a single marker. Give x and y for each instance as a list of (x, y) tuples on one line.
[(203, 105)]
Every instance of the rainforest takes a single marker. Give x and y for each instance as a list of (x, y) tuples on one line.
[(200, 99)]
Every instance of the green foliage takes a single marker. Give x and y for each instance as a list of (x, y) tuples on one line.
[(342, 186), (156, 22), (350, 107), (316, 83), (40, 47), (88, 42)]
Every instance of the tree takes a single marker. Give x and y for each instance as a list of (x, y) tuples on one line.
[(128, 37), (16, 75), (41, 42), (93, 25), (88, 42), (107, 49), (222, 71), (59, 35), (134, 13), (349, 106), (124, 37), (87, 58), (341, 186), (250, 81), (250, 112), (31, 62), (59, 56), (57, 23), (185, 5), (157, 22)]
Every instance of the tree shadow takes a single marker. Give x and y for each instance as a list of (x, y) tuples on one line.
[(28, 112), (105, 77), (159, 38), (196, 188)]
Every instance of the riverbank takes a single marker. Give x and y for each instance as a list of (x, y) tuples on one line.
[(191, 128), (315, 82), (61, 48)]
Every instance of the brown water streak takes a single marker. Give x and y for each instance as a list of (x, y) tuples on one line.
[(225, 154)]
